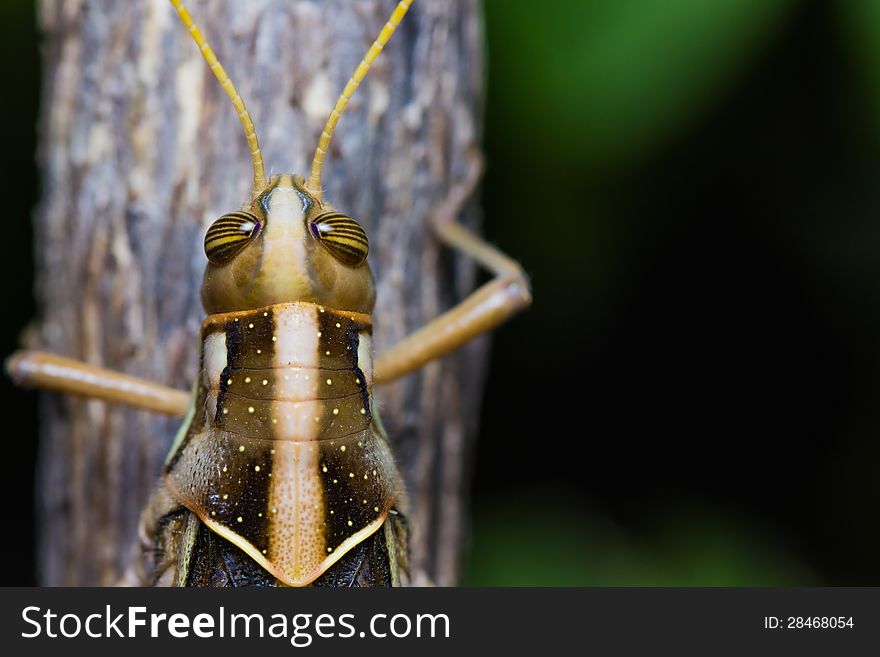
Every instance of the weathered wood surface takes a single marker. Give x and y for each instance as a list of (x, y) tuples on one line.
[(141, 150)]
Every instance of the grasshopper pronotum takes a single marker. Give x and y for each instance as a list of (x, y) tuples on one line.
[(281, 472)]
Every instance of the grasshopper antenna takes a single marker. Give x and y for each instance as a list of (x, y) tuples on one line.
[(229, 88), (313, 185)]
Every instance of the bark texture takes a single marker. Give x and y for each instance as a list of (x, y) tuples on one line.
[(141, 150)]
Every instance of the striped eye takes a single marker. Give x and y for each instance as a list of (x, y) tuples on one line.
[(343, 237), (229, 235)]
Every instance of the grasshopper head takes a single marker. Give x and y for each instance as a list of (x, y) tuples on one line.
[(286, 246)]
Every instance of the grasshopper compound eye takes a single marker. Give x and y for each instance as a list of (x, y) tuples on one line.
[(342, 236), (229, 235)]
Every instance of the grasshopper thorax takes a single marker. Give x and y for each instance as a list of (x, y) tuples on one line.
[(285, 246)]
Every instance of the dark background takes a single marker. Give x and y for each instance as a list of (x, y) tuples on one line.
[(692, 399)]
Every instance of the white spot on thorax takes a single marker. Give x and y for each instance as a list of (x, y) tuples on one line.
[(214, 358), (365, 357)]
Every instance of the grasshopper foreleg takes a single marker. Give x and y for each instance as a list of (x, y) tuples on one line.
[(39, 369)]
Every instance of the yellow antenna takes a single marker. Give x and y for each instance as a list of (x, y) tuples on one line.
[(229, 88), (314, 182)]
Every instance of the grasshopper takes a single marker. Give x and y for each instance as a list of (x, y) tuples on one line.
[(281, 473)]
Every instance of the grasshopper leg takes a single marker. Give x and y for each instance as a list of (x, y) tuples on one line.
[(492, 304), (38, 369)]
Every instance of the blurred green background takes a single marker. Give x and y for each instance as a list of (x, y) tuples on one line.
[(693, 186)]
